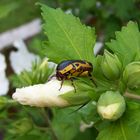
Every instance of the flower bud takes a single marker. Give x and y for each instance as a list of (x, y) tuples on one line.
[(111, 66), (39, 73), (44, 64), (49, 95), (111, 105), (131, 74)]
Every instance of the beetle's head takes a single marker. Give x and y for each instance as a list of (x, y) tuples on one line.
[(60, 76)]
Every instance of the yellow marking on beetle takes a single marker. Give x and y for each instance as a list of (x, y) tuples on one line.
[(76, 70), (85, 73), (81, 65), (66, 69), (75, 74)]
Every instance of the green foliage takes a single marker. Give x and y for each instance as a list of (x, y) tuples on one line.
[(69, 39), (39, 73), (35, 46), (131, 75), (89, 113), (111, 66), (35, 135), (126, 47), (83, 95), (65, 120), (124, 8), (20, 127), (87, 5), (125, 128), (12, 11), (127, 44), (5, 10)]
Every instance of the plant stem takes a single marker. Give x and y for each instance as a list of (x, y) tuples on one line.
[(10, 101), (132, 96), (48, 122)]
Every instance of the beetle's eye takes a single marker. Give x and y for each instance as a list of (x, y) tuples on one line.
[(77, 64)]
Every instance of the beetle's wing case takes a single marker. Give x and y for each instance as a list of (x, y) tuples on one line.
[(63, 64), (74, 66)]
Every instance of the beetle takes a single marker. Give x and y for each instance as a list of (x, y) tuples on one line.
[(69, 69)]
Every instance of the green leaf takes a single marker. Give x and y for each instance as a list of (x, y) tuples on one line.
[(133, 116), (68, 121), (85, 92), (76, 99), (117, 130), (68, 38), (88, 134), (30, 136), (127, 43), (89, 113), (65, 123), (126, 128)]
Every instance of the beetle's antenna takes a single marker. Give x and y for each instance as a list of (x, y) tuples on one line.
[(54, 75)]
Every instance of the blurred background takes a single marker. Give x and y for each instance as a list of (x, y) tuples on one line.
[(21, 37), (20, 26)]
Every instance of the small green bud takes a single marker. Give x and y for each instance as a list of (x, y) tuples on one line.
[(111, 66), (20, 127), (131, 74), (111, 105), (43, 64)]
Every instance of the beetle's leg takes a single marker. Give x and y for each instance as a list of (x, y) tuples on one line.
[(61, 84), (80, 73), (92, 79), (73, 84)]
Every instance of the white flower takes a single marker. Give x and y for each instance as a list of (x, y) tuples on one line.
[(22, 59), (98, 46), (43, 95), (109, 111), (4, 83)]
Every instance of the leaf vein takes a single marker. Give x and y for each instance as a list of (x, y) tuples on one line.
[(68, 37)]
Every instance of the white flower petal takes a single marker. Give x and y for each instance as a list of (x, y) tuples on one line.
[(4, 83), (43, 95), (97, 47), (22, 59), (109, 111)]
